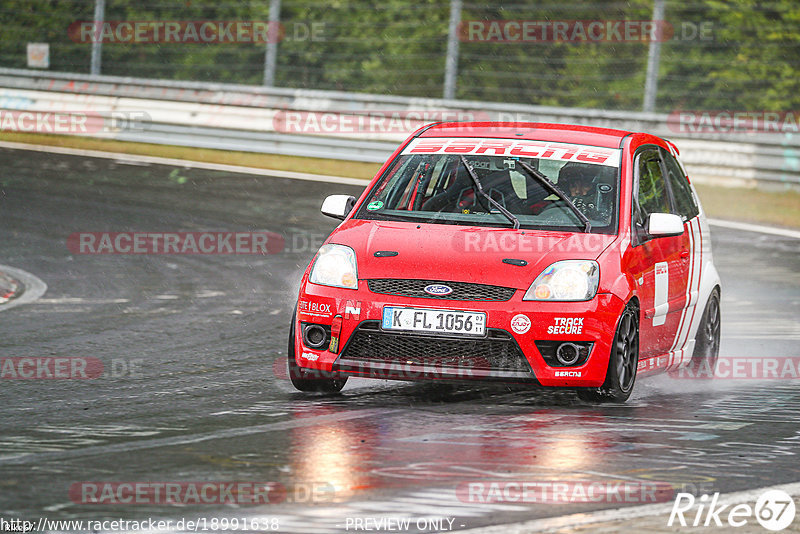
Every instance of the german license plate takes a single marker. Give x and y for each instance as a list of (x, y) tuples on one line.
[(434, 321)]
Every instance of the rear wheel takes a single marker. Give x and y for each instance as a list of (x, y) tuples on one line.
[(622, 363), (706, 347), (310, 380)]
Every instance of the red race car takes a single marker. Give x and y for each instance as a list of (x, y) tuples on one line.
[(556, 255)]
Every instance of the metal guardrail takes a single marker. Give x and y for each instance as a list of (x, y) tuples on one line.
[(239, 117), (268, 143)]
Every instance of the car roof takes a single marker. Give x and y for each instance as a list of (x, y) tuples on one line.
[(539, 131)]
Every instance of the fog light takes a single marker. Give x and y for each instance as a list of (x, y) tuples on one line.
[(558, 353), (314, 336), (568, 353)]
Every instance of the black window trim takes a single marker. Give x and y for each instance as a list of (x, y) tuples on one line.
[(665, 172), (359, 212), (649, 147)]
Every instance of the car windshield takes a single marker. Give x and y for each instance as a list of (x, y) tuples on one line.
[(429, 182)]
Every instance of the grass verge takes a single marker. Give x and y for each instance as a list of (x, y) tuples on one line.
[(747, 205), (332, 167), (751, 205)]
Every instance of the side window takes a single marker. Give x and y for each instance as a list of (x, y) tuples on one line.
[(685, 205), (652, 188), (651, 192)]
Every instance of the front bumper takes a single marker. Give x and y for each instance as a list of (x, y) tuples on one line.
[(507, 353)]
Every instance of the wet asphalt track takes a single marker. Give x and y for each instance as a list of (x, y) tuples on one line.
[(191, 391)]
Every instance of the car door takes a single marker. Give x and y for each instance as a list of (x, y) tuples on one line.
[(685, 205), (655, 262)]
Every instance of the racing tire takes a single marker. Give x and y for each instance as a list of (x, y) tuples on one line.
[(622, 364), (310, 380), (707, 340)]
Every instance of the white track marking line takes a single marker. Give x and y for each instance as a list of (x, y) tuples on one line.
[(186, 163), (783, 232), (135, 158), (34, 287)]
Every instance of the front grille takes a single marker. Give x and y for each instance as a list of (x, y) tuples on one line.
[(461, 290), (497, 352)]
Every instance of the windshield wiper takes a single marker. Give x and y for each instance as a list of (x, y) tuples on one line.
[(553, 188), (405, 216), (510, 216)]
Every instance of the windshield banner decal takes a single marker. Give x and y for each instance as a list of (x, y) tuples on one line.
[(515, 147)]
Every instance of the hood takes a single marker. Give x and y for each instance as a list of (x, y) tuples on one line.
[(462, 253)]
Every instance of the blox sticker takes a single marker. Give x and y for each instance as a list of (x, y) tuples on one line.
[(315, 308)]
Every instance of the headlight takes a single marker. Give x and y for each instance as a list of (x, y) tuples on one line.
[(335, 266), (566, 280)]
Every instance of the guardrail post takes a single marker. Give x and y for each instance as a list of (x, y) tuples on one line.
[(653, 57), (451, 62), (97, 42), (271, 56)]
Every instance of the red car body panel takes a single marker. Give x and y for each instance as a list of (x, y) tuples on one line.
[(422, 247), (475, 255)]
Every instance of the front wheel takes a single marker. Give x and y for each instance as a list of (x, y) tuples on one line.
[(310, 380), (622, 363)]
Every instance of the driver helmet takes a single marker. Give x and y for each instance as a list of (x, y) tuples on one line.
[(576, 178)]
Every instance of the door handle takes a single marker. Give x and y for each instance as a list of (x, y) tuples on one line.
[(685, 255)]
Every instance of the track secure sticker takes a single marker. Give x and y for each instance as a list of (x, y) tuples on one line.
[(520, 323), (566, 325), (376, 205)]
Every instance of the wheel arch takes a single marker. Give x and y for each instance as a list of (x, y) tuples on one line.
[(709, 282)]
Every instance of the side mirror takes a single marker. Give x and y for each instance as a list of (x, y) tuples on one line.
[(338, 206), (664, 224)]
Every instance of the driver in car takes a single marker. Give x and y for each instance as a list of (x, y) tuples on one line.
[(576, 180)]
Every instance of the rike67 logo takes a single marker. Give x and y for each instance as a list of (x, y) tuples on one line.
[(774, 510)]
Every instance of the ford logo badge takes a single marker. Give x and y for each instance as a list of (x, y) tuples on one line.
[(438, 289)]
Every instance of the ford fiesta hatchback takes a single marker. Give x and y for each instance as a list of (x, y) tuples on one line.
[(555, 255)]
